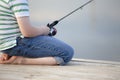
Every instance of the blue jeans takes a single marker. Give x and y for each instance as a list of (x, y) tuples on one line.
[(42, 46)]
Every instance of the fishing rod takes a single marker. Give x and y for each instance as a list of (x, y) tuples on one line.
[(53, 31)]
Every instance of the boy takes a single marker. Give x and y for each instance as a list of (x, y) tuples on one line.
[(22, 43)]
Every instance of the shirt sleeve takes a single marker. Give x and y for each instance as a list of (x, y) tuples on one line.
[(19, 7)]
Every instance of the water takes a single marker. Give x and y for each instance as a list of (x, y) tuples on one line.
[(94, 31)]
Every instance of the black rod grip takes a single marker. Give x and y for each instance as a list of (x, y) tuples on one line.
[(52, 24)]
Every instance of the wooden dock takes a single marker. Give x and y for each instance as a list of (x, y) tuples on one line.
[(77, 69)]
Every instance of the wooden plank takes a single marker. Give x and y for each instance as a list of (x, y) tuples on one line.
[(77, 69)]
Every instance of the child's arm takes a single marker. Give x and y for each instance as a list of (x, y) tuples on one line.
[(28, 30)]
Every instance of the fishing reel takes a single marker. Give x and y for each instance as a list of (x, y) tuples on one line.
[(53, 30)]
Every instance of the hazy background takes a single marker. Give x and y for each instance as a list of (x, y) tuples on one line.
[(94, 31)]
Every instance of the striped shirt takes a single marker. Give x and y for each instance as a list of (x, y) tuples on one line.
[(9, 29)]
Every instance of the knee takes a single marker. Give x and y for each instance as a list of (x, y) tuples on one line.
[(65, 56), (69, 54)]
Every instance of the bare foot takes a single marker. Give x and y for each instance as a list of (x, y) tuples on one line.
[(4, 57), (18, 60)]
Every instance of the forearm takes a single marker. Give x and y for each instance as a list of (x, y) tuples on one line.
[(29, 30), (34, 31)]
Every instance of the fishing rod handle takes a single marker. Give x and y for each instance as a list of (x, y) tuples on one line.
[(52, 24)]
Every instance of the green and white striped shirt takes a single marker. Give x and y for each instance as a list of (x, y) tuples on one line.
[(9, 29)]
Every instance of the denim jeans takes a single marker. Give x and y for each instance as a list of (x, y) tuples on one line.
[(42, 46)]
